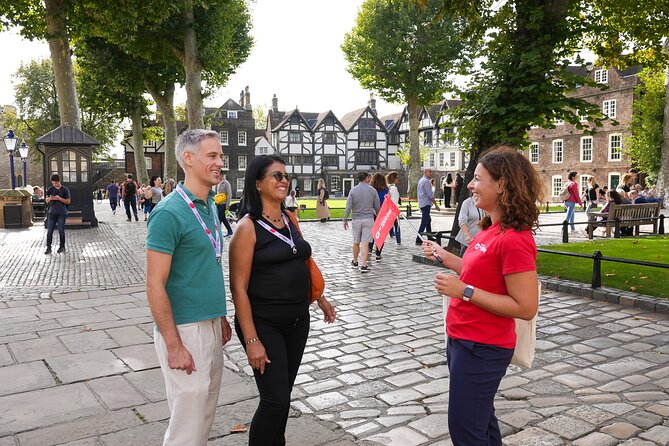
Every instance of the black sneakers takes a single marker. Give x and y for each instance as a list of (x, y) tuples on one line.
[(364, 269), (48, 250), (61, 249), (354, 263)]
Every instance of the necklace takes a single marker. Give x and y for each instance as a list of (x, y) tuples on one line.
[(271, 219)]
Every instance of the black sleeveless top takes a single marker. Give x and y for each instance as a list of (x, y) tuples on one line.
[(279, 284)]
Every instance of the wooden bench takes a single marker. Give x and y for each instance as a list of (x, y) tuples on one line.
[(641, 214)]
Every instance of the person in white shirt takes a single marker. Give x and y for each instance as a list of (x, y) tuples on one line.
[(292, 204), (393, 179)]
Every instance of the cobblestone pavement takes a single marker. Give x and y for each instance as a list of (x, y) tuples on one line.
[(78, 367)]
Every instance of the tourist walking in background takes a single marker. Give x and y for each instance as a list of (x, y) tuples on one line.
[(57, 199), (591, 195), (112, 195), (186, 290), (362, 205), (130, 190), (459, 182), (448, 186), (425, 202), (393, 179), (469, 221), (322, 208), (496, 282), (573, 198), (270, 286), (224, 187), (381, 187), (154, 193)]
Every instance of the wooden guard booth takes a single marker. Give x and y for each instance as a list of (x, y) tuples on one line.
[(68, 152)]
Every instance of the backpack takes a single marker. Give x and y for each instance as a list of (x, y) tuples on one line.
[(326, 195), (130, 188), (564, 192)]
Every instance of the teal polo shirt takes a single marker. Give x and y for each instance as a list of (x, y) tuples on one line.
[(195, 285)]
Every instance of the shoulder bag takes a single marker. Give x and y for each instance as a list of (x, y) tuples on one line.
[(526, 340), (315, 275)]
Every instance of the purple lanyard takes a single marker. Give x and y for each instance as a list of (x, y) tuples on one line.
[(280, 236), (215, 243)]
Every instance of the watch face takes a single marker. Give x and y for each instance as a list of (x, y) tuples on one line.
[(469, 291)]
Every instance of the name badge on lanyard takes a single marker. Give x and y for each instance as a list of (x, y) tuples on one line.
[(215, 242)]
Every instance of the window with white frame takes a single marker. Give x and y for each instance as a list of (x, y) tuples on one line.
[(431, 160), (224, 137), (149, 163), (226, 162), (557, 121), (241, 162), (240, 184), (294, 137), (442, 157), (534, 153), (582, 115), (232, 114), (307, 186), (558, 151), (583, 183), (602, 76), (556, 185), (241, 138), (451, 159), (609, 108), (586, 149), (263, 150), (335, 183), (615, 147)]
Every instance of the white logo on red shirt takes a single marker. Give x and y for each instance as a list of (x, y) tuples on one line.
[(480, 247)]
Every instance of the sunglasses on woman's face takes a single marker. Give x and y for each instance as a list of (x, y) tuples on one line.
[(278, 176)]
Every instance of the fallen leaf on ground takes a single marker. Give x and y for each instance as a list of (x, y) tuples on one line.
[(609, 274), (238, 428), (632, 288)]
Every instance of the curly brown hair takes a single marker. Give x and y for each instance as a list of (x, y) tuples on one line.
[(521, 188), (379, 182)]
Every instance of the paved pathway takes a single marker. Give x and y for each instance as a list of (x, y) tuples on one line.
[(77, 364)]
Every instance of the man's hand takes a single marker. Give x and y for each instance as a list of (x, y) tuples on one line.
[(179, 358), (226, 331), (345, 225)]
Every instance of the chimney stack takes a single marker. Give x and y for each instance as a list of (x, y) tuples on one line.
[(241, 99), (372, 102), (247, 99), (275, 104)]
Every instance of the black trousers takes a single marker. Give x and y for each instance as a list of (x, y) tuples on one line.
[(284, 341), (447, 196), (476, 371), (222, 218), (130, 201)]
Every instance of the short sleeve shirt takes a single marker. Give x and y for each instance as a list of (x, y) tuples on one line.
[(195, 285), (492, 254), (58, 207)]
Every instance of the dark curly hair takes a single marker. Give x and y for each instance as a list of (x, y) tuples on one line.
[(379, 182), (521, 189)]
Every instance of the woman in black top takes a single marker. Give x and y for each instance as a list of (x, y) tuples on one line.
[(459, 181), (270, 287)]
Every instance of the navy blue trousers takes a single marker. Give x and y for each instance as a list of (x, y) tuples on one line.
[(475, 373), (425, 221)]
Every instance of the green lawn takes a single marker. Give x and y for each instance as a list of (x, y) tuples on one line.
[(640, 279)]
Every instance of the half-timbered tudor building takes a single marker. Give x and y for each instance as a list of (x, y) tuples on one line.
[(556, 151)]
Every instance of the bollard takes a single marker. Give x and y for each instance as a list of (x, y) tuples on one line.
[(616, 228), (660, 230), (597, 270), (408, 210), (547, 208), (565, 232)]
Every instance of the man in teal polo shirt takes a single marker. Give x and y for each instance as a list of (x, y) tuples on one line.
[(186, 290)]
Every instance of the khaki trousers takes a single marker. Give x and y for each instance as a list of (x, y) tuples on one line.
[(192, 398)]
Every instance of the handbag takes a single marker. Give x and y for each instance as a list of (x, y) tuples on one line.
[(315, 274), (220, 198), (526, 340)]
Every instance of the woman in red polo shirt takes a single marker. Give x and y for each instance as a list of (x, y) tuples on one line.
[(496, 282)]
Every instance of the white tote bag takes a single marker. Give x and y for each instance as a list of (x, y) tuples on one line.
[(526, 340)]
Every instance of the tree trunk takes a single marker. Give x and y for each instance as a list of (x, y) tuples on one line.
[(138, 147), (165, 104), (415, 163), (193, 70), (663, 175), (59, 47)]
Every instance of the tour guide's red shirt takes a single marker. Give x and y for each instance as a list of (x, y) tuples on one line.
[(491, 255)]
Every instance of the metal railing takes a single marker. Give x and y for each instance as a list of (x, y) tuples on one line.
[(597, 258), (617, 233)]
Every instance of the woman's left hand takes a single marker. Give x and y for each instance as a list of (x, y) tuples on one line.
[(449, 285), (329, 312)]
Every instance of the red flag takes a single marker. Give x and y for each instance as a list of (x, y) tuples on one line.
[(384, 221)]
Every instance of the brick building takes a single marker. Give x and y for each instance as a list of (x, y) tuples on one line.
[(556, 151)]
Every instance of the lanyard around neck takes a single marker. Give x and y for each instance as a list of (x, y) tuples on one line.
[(280, 236), (215, 243)]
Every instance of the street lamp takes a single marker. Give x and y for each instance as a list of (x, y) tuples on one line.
[(23, 151), (10, 144)]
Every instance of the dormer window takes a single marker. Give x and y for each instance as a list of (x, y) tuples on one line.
[(232, 114), (602, 76)]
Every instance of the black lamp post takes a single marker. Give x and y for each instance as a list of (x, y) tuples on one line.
[(10, 144), (23, 151)]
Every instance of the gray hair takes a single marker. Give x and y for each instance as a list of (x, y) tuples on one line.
[(189, 141)]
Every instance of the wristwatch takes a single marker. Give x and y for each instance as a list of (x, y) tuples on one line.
[(468, 293)]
